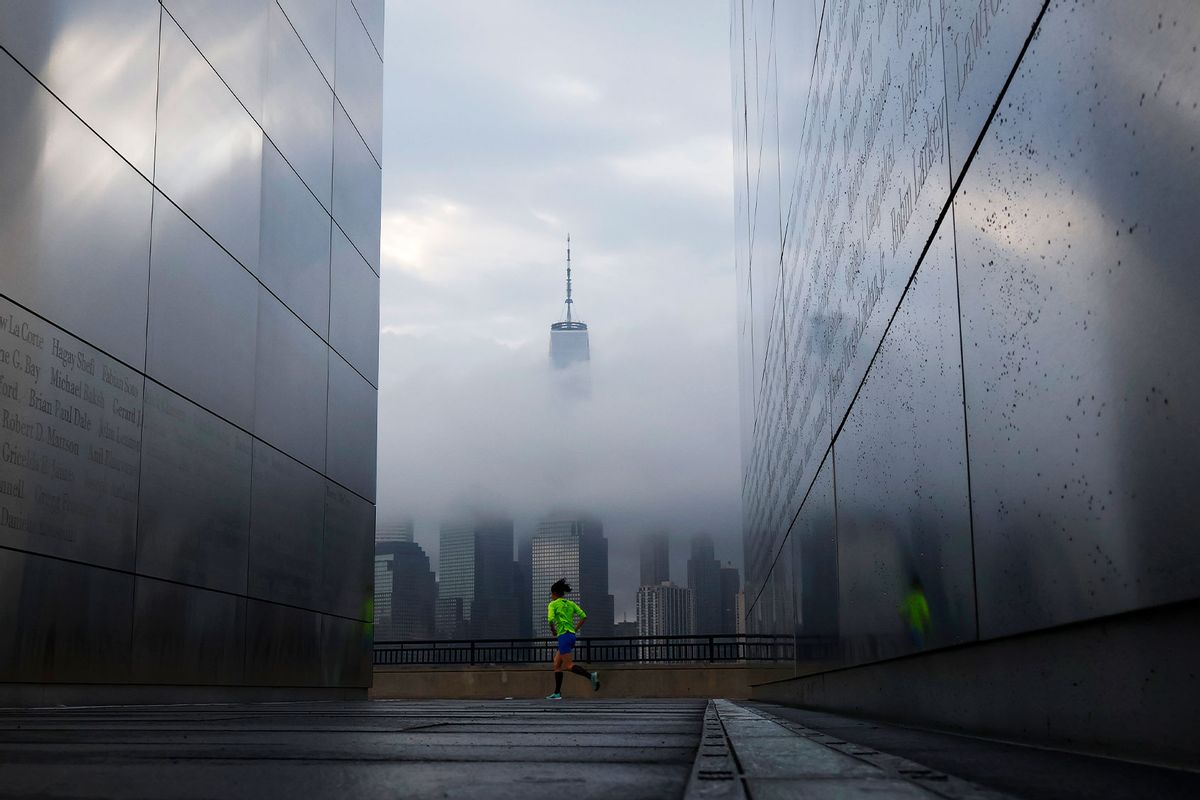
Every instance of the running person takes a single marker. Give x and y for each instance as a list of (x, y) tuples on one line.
[(562, 613)]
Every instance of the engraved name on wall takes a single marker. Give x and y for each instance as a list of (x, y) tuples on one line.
[(872, 179), (70, 443)]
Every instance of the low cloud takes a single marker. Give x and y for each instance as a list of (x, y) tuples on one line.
[(493, 152)]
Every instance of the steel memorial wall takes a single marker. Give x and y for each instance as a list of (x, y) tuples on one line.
[(966, 263), (189, 256)]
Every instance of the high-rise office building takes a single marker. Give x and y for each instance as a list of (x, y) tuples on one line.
[(396, 531), (569, 336), (456, 579), (704, 579), (572, 547), (405, 592), (625, 628), (655, 559), (189, 310), (476, 596), (731, 585), (382, 607), (524, 583), (664, 610)]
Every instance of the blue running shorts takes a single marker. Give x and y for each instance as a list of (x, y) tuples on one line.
[(566, 643)]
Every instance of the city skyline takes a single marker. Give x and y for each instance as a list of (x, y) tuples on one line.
[(624, 580), (473, 259)]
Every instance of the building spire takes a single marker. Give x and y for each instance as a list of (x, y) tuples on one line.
[(569, 301)]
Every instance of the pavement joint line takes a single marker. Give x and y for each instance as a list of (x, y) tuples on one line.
[(716, 775), (931, 780)]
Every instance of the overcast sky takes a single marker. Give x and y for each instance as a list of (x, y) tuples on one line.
[(506, 126)]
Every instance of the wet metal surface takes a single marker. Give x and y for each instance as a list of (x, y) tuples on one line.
[(966, 287)]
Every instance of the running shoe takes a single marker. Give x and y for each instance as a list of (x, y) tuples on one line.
[(554, 696), (595, 681)]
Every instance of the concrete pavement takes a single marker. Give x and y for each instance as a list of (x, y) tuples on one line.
[(381, 749), (578, 749)]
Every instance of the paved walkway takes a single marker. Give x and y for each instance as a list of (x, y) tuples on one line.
[(381, 749), (522, 749)]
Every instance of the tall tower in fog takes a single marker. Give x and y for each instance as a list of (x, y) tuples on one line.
[(704, 579), (656, 559), (568, 337)]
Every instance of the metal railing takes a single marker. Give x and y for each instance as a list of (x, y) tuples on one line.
[(718, 648)]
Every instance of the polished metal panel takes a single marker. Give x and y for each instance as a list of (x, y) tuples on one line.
[(371, 13), (203, 318), (232, 35), (346, 554), (185, 635), (860, 122), (74, 220), (359, 72), (194, 503), (208, 157), (903, 516), (354, 308), (298, 108), (286, 520), (815, 591), (70, 437), (350, 448), (873, 180), (795, 42), (981, 45), (1077, 253), (314, 21), (356, 188), (896, 170), (779, 600), (62, 42), (346, 652), (283, 646), (61, 621), (183, 529), (294, 256), (290, 384)]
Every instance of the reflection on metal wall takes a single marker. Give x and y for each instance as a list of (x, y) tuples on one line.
[(189, 249), (966, 285)]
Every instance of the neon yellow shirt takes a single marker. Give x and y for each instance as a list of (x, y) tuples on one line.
[(562, 613)]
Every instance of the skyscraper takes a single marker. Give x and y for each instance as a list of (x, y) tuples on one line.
[(664, 610), (731, 584), (571, 547), (382, 607), (569, 337), (190, 240), (395, 531), (405, 592), (704, 579), (524, 579), (476, 596), (656, 559), (456, 579), (625, 628)]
